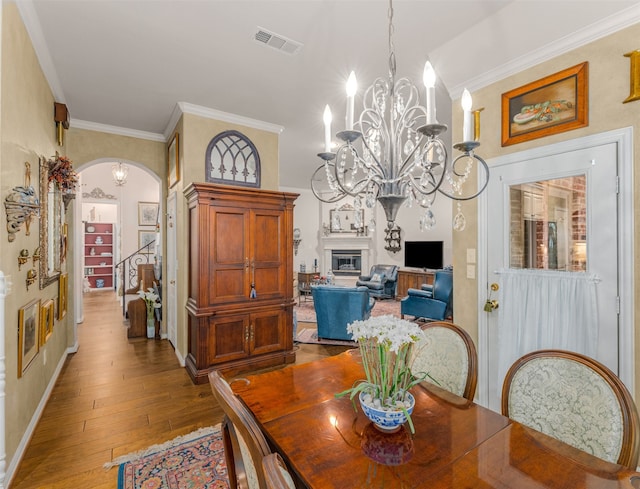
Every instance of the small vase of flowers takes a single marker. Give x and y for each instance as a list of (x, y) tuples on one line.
[(151, 301), (386, 345)]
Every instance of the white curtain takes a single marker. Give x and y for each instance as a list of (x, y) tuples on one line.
[(542, 309)]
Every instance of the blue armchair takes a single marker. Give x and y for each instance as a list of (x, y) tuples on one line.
[(431, 301), (381, 281), (338, 306)]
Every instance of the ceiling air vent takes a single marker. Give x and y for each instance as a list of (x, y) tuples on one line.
[(276, 41)]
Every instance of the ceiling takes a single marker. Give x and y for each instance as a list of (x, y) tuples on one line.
[(126, 64)]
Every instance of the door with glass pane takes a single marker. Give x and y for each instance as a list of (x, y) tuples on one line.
[(556, 213)]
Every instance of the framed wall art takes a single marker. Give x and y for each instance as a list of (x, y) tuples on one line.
[(147, 213), (62, 296), (46, 321), (144, 238), (551, 105), (173, 159), (28, 334)]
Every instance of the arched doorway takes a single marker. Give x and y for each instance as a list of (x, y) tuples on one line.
[(100, 199)]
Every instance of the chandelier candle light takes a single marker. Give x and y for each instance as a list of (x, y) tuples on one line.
[(400, 156)]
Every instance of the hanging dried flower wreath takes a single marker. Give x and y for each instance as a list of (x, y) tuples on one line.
[(62, 173)]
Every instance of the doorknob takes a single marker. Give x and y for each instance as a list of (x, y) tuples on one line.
[(172, 282), (492, 304)]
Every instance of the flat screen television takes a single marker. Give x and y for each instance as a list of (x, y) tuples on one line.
[(423, 254)]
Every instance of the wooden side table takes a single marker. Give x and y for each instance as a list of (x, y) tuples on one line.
[(305, 279)]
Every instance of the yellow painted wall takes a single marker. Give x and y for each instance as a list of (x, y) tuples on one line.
[(608, 87), (84, 146), (28, 131)]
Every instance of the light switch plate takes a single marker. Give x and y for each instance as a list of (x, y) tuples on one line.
[(471, 255), (471, 271)]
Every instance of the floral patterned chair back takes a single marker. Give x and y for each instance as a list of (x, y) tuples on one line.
[(276, 473), (244, 443), (575, 399), (448, 355)]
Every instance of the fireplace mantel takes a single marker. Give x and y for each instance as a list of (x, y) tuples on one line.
[(346, 241)]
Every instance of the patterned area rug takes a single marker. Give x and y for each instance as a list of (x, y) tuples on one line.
[(195, 460), (310, 336), (307, 314)]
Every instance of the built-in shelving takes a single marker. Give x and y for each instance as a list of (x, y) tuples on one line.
[(98, 254)]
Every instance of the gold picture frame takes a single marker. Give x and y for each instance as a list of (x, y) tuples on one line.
[(28, 334), (46, 321), (62, 296), (550, 105), (173, 160)]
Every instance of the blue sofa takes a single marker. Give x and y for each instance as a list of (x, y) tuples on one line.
[(338, 306), (431, 301)]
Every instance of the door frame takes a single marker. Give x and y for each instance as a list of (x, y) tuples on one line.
[(172, 262), (623, 138)]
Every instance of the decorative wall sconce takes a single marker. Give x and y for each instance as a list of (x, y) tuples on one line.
[(36, 255), (61, 118), (476, 124), (634, 77), (23, 257), (392, 238), (21, 205), (32, 276), (296, 240)]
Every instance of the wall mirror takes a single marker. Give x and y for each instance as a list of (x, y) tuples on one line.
[(51, 222)]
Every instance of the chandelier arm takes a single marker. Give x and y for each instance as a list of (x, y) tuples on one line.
[(360, 185), (330, 200), (436, 186), (484, 166), (377, 168)]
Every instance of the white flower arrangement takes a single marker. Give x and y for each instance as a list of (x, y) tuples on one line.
[(151, 300), (386, 343)]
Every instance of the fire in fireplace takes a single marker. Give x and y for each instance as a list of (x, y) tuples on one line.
[(346, 262)]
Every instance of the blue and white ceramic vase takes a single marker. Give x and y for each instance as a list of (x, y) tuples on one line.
[(385, 419)]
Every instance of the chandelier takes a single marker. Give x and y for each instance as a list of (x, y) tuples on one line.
[(120, 172), (393, 153)]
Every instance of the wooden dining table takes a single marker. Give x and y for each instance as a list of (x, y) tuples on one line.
[(328, 443)]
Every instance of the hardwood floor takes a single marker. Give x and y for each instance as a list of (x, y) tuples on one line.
[(115, 396)]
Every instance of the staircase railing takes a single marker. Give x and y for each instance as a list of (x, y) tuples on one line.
[(126, 271)]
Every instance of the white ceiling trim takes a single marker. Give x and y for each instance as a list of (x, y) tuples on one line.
[(207, 113), (120, 131), (600, 29), (34, 29)]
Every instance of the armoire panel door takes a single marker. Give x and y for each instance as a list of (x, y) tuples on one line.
[(228, 338), (229, 259), (268, 253), (267, 331)]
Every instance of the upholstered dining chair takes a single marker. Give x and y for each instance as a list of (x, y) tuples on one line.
[(448, 355), (276, 473), (574, 399), (244, 443)]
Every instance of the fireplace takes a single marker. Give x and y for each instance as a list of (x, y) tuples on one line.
[(346, 244), (346, 262)]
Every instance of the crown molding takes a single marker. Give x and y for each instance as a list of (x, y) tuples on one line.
[(120, 131), (207, 113), (586, 35)]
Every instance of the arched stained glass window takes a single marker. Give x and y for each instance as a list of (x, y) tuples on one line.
[(232, 158)]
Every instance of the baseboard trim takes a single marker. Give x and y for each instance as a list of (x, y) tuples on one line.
[(22, 446)]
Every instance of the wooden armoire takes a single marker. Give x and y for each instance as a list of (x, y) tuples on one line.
[(240, 304)]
